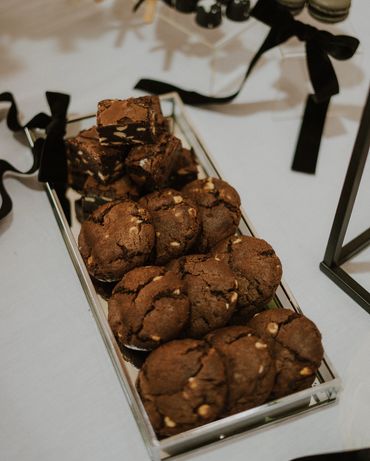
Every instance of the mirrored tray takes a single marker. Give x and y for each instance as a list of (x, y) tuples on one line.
[(323, 391)]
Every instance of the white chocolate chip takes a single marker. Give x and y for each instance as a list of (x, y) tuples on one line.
[(79, 152), (203, 410), (306, 371), (234, 297), (176, 292), (238, 240), (168, 422), (155, 338), (102, 177), (209, 185), (192, 211), (143, 162), (192, 383), (272, 328), (119, 135), (133, 230), (227, 305), (259, 345), (260, 369), (217, 258), (177, 199), (158, 277), (122, 128), (140, 129), (175, 244), (157, 234)]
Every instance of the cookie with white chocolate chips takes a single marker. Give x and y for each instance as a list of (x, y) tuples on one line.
[(296, 345), (210, 286), (116, 238), (256, 267), (182, 385), (250, 368), (176, 223), (148, 307), (219, 207)]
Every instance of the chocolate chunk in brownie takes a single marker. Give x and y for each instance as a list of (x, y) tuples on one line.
[(185, 169), (296, 345), (148, 307), (210, 286), (219, 207), (250, 368), (129, 121), (87, 156), (182, 385), (95, 194), (76, 179), (150, 166), (176, 223), (256, 268), (116, 238)]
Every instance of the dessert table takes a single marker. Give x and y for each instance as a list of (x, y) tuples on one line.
[(60, 398)]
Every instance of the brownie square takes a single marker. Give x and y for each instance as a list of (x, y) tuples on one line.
[(87, 156), (129, 121), (95, 194), (150, 166)]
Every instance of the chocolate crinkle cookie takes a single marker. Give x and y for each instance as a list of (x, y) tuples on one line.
[(256, 267), (211, 288), (182, 385), (296, 345), (117, 237), (148, 307), (176, 223), (219, 207), (250, 368)]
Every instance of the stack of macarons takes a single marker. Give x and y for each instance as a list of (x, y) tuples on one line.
[(330, 11)]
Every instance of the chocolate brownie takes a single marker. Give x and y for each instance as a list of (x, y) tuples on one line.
[(296, 345), (116, 238), (210, 286), (129, 121), (256, 268), (182, 385), (250, 368), (95, 194), (218, 205), (150, 166), (86, 156), (185, 169), (176, 223), (148, 307)]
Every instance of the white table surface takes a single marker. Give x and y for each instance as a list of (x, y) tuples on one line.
[(59, 395)]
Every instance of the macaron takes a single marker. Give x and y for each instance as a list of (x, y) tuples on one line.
[(329, 10), (294, 6)]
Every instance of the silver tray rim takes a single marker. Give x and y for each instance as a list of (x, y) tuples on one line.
[(256, 418)]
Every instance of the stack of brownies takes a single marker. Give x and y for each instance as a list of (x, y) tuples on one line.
[(179, 280)]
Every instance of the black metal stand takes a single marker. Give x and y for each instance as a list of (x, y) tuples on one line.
[(336, 254)]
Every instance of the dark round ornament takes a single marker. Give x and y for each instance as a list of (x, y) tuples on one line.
[(208, 17), (238, 10)]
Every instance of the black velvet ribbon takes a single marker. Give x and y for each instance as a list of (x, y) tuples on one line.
[(48, 153), (320, 46)]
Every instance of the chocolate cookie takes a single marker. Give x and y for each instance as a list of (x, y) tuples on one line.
[(210, 286), (250, 368), (176, 223), (256, 268), (117, 237), (148, 307), (296, 345), (218, 204), (182, 385), (150, 166)]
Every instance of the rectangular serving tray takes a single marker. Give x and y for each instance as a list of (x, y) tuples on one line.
[(326, 385)]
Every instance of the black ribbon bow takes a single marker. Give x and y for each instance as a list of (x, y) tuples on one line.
[(48, 154), (319, 46)]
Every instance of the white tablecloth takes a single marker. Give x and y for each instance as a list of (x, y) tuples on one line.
[(59, 396)]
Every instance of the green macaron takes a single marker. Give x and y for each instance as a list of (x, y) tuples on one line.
[(329, 10)]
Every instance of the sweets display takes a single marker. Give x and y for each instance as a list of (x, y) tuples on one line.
[(185, 292)]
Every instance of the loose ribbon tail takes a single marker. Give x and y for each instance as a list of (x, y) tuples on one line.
[(319, 45), (45, 158)]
